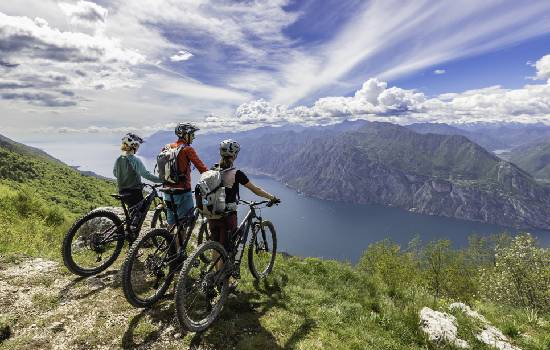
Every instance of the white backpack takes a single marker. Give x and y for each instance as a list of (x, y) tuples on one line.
[(210, 194), (167, 164)]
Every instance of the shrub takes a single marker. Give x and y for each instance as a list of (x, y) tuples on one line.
[(386, 262), (521, 276)]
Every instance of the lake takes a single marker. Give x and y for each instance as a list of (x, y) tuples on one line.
[(314, 227), (335, 230)]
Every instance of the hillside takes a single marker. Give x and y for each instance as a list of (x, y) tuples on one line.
[(383, 163), (489, 142), (306, 303), (40, 194), (535, 159), (29, 169)]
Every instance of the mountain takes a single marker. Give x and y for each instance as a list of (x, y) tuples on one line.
[(17, 147), (383, 163), (35, 172), (533, 158), (489, 142), (512, 135)]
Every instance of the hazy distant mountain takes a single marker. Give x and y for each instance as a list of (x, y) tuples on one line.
[(511, 134), (534, 158), (489, 142)]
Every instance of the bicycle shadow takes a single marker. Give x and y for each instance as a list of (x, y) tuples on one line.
[(240, 321), (95, 285), (162, 315), (239, 325)]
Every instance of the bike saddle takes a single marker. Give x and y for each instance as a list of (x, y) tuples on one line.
[(120, 196)]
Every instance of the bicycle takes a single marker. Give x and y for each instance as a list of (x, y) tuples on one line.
[(95, 240), (156, 256), (203, 284)]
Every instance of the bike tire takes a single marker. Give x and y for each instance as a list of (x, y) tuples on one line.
[(188, 284), (128, 285), (67, 246), (255, 250), (159, 218), (202, 237)]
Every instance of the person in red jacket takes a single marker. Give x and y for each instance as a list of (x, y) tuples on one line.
[(183, 197)]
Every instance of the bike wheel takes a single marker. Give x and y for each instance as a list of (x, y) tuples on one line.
[(262, 249), (93, 243), (159, 219), (146, 272), (203, 236), (202, 289)]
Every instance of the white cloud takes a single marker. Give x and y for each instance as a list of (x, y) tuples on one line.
[(182, 55), (84, 12), (543, 68), (422, 33), (440, 71)]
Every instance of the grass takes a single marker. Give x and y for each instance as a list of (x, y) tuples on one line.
[(304, 304)]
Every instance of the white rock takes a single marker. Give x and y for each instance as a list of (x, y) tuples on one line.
[(490, 335), (440, 327)]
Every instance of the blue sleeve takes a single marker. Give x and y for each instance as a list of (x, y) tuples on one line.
[(140, 169)]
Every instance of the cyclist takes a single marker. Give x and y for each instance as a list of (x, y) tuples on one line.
[(220, 229), (183, 197), (129, 170)]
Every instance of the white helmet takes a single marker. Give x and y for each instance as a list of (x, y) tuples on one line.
[(229, 148), (132, 140)]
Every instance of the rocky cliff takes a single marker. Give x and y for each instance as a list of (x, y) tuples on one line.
[(387, 164)]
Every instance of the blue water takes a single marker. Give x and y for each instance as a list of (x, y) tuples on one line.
[(335, 230)]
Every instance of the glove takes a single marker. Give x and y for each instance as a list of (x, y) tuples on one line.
[(275, 200)]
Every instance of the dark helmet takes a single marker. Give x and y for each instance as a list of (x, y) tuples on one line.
[(185, 128)]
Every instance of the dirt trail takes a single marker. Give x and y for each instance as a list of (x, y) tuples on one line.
[(46, 307)]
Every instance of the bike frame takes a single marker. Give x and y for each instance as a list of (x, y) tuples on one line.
[(152, 196), (188, 223)]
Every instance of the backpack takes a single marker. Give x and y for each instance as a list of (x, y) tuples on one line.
[(210, 194), (167, 164)]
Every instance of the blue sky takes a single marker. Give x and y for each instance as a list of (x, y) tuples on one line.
[(101, 68)]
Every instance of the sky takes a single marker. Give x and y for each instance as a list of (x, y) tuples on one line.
[(89, 71)]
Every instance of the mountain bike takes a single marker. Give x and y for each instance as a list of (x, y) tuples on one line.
[(95, 241), (155, 257), (204, 279)]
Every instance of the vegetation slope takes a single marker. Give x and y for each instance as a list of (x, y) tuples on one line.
[(305, 304)]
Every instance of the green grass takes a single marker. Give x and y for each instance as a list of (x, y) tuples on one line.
[(305, 304)]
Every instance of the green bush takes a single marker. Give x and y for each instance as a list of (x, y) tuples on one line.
[(521, 275), (385, 262)]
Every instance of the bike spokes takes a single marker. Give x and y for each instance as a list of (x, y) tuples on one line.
[(202, 287), (262, 249), (150, 267), (93, 242)]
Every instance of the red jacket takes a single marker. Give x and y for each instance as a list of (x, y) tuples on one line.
[(185, 158)]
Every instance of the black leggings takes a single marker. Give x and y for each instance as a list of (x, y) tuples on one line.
[(136, 196)]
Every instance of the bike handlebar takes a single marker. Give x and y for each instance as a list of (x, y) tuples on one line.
[(254, 204)]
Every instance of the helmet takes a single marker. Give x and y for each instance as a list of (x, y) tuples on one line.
[(185, 128), (229, 148), (132, 140)]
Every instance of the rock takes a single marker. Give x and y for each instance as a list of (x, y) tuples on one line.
[(5, 331), (57, 326), (440, 327), (95, 282), (490, 335), (494, 337)]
